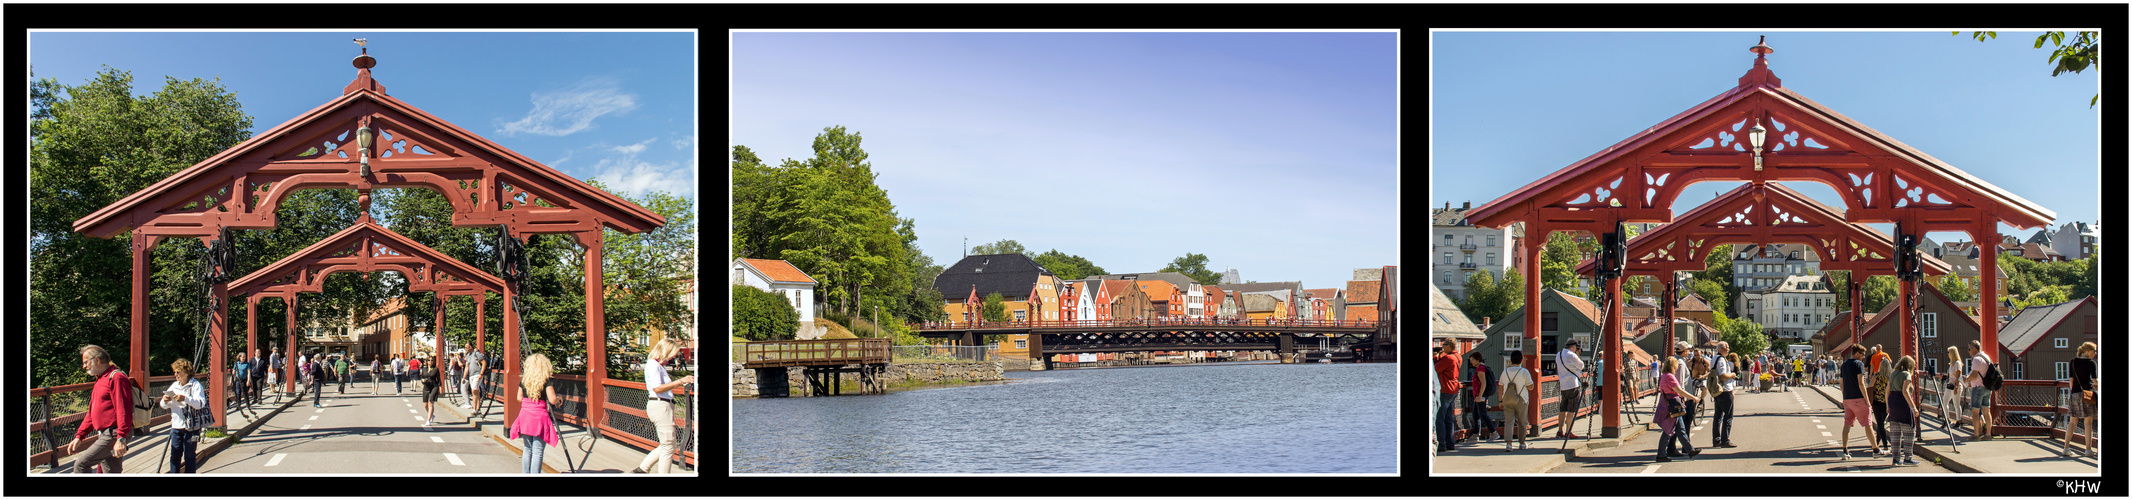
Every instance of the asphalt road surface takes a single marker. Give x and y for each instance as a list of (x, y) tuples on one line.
[(1777, 432), (358, 433)]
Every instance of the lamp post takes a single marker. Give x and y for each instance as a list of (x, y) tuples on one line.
[(1755, 136)]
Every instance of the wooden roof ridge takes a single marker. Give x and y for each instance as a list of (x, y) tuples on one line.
[(364, 230), (1758, 83), (1727, 205), (645, 219)]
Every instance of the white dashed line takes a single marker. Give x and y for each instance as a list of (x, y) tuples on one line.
[(454, 458), (412, 410), (276, 460), (439, 439), (1823, 433), (419, 417), (1815, 420), (1651, 469), (1816, 427), (315, 417), (306, 427)]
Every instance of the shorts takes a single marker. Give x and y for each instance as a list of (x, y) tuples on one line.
[(2078, 407), (1856, 410), (1978, 398)]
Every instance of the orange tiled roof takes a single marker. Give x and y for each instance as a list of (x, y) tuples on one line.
[(1157, 290), (778, 270), (1361, 291)]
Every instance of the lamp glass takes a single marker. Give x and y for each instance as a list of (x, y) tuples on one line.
[(362, 138), (1755, 135)]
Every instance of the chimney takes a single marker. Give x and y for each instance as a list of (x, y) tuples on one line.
[(1447, 205), (1469, 204), (1485, 321)]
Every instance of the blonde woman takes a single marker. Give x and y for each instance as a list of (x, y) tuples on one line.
[(534, 427), (660, 405), (2081, 407)]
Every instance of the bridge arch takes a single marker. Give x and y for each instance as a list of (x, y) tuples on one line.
[(365, 140)]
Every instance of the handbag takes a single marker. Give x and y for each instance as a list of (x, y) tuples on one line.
[(1674, 406), (2088, 398)]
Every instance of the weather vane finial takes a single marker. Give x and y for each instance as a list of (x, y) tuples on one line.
[(364, 43)]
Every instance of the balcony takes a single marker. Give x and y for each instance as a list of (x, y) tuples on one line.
[(1468, 265), (1469, 247)]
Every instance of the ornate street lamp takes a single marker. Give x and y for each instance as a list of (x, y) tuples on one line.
[(363, 137), (1755, 136)]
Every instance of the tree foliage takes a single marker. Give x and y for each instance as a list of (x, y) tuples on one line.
[(2084, 51), (826, 216), (1068, 267), (91, 145), (761, 315), (998, 248), (1193, 266), (995, 308)]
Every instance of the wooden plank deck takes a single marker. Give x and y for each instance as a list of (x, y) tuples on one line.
[(827, 352)]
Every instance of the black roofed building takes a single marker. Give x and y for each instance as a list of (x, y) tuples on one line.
[(1014, 276)]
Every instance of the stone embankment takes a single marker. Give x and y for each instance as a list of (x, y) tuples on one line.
[(746, 385)]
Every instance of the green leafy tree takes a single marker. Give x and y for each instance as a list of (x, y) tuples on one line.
[(1068, 267), (1877, 292), (2084, 51), (761, 315), (995, 308), (1193, 266), (998, 247), (1744, 336), (1483, 298), (90, 145), (1710, 292), (1955, 288), (1560, 258)]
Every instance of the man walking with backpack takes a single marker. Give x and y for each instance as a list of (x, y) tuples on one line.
[(1983, 380)]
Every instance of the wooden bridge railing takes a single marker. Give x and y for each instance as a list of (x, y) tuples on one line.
[(815, 352), (1109, 323)]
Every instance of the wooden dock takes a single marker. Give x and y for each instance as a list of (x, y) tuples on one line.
[(825, 361)]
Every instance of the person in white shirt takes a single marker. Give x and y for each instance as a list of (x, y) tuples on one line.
[(182, 399), (660, 405), (1728, 379), (1569, 367), (1516, 384)]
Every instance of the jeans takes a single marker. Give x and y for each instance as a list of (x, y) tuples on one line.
[(396, 384), (184, 458), (1444, 422), (318, 389), (1721, 419), (1482, 423), (530, 461), (1666, 443)]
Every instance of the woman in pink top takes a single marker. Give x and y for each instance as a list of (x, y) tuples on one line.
[(533, 427)]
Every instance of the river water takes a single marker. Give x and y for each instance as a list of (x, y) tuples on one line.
[(1257, 418)]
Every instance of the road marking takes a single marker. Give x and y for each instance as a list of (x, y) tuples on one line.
[(412, 410), (1696, 427), (1651, 469), (1823, 433), (315, 417), (323, 410), (1816, 427), (306, 427), (276, 460), (419, 417), (1817, 420), (439, 439), (454, 458)]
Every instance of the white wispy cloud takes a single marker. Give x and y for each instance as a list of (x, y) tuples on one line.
[(626, 174), (565, 112)]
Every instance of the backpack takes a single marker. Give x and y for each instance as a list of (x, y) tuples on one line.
[(1992, 379), (1512, 388)]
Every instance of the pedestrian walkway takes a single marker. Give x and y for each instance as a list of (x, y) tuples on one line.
[(2003, 455), (149, 453), (604, 455), (1547, 452)]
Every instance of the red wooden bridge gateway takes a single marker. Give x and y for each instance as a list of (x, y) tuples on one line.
[(1758, 132), (366, 140)]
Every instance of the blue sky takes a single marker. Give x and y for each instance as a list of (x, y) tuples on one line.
[(619, 107), (1510, 107), (1271, 153)]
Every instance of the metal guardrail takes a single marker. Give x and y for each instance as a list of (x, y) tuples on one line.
[(1169, 321), (944, 354)]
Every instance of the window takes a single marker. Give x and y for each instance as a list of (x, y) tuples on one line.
[(1491, 240), (1929, 325), (2059, 342), (1513, 341), (1469, 239), (1548, 322), (1021, 343), (2061, 370), (1447, 276), (1021, 314), (1932, 364), (2020, 370), (1447, 239), (1491, 258), (1469, 258), (1447, 255)]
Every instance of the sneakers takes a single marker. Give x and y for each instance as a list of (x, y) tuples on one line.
[(1664, 459), (639, 470)]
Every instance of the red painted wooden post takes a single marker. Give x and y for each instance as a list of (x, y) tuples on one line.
[(595, 325), (219, 342), (1533, 245)]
